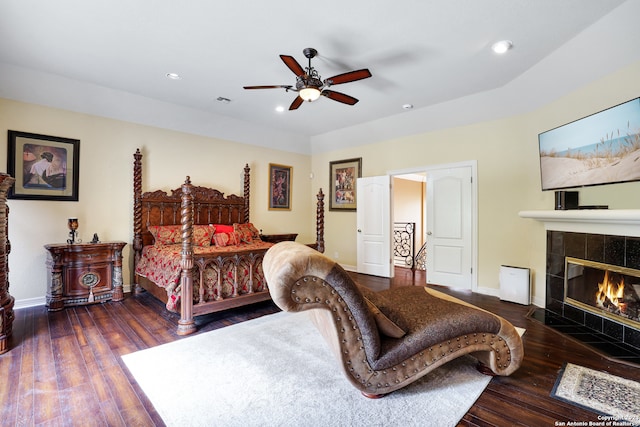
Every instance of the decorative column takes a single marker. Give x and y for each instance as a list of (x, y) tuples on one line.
[(6, 300), (137, 218), (320, 222), (186, 324)]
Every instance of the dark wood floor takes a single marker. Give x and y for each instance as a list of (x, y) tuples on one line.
[(65, 369)]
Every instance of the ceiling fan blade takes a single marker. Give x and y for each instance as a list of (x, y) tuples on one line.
[(293, 65), (351, 76), (296, 103), (340, 97), (269, 87)]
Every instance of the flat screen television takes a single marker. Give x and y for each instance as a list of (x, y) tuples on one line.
[(603, 148)]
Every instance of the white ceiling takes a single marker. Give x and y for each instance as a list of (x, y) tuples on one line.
[(420, 52)]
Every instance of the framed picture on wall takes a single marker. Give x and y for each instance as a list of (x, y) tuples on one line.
[(343, 175), (45, 167), (280, 178)]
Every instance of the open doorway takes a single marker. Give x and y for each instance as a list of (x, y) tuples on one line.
[(442, 202), (409, 220)]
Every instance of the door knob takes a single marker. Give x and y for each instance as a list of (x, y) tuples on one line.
[(359, 231), (429, 233)]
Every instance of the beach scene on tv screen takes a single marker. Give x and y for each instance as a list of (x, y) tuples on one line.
[(599, 149)]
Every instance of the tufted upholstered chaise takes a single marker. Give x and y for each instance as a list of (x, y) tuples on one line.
[(386, 340)]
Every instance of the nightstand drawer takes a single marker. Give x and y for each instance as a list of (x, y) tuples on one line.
[(80, 280), (89, 255)]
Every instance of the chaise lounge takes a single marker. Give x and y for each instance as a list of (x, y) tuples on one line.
[(389, 339)]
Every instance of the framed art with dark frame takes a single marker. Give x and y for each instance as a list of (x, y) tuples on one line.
[(280, 178), (343, 175), (44, 167)]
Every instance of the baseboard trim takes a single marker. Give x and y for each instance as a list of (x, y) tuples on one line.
[(347, 267), (538, 302), (34, 302), (488, 291), (29, 302)]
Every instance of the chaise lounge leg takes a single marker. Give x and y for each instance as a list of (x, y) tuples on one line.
[(372, 396), (484, 369)]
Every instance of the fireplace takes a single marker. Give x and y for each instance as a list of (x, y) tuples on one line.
[(608, 239), (575, 257), (604, 289)]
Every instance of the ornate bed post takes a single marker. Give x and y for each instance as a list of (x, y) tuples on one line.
[(320, 222), (247, 185), (6, 300), (186, 324), (137, 216)]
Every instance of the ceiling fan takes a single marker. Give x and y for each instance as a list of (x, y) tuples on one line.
[(310, 85)]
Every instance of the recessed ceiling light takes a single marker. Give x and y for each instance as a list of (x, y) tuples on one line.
[(174, 76), (223, 100), (502, 46), (407, 106), (279, 108)]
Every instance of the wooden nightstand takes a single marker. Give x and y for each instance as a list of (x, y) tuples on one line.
[(275, 238), (84, 273)]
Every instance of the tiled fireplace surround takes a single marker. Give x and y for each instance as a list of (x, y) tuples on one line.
[(606, 236), (616, 250)]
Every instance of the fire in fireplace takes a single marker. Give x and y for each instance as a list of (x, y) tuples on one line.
[(608, 290)]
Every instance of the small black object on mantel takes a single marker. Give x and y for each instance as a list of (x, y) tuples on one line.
[(566, 200), (594, 207), (95, 238)]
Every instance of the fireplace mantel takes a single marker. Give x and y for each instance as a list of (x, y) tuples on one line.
[(619, 222)]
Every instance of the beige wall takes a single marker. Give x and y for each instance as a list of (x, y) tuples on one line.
[(105, 203), (508, 177), (505, 150)]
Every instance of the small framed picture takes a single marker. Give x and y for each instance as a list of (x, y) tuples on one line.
[(280, 178), (45, 167), (343, 175)]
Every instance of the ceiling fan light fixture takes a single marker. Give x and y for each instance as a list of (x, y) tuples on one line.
[(309, 84), (309, 93)]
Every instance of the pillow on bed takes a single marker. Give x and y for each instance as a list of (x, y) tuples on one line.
[(244, 234), (226, 239), (202, 234), (247, 232), (223, 228), (165, 234), (172, 234)]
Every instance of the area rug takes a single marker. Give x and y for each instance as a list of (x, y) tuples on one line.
[(599, 392), (278, 371)]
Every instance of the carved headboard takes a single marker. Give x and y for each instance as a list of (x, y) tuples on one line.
[(160, 208)]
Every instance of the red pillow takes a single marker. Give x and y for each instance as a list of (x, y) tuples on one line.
[(223, 228), (221, 239), (226, 239)]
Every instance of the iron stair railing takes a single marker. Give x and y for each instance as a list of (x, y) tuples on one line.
[(404, 243)]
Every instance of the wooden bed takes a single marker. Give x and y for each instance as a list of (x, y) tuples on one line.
[(176, 251)]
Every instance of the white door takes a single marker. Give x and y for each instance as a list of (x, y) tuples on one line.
[(450, 227), (374, 226)]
